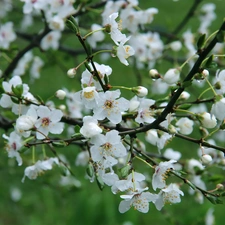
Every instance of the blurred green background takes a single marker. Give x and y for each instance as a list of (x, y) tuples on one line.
[(44, 201)]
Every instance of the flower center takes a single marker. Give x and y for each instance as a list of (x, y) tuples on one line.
[(108, 104), (107, 146), (89, 95), (45, 122)]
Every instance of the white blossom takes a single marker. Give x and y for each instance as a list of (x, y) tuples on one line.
[(160, 175), (139, 200), (111, 106), (48, 121), (13, 145), (185, 125), (207, 120), (107, 147), (7, 35), (168, 195), (90, 127), (32, 172)]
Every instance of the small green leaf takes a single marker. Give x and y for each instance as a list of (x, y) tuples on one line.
[(59, 144), (185, 106), (125, 171), (72, 24), (209, 61), (90, 170), (100, 182), (214, 200), (1, 87), (220, 37), (15, 100), (106, 79), (201, 41), (77, 129), (18, 90)]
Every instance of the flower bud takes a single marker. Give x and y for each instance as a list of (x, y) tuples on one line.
[(62, 107), (154, 74), (176, 46), (60, 94), (206, 159), (72, 72), (184, 95), (140, 91), (172, 76), (205, 73), (219, 187), (207, 120)]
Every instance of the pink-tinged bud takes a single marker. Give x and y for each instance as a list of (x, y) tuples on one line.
[(72, 72), (60, 94), (140, 91), (206, 159)]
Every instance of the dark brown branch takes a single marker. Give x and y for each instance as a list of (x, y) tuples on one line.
[(34, 43)]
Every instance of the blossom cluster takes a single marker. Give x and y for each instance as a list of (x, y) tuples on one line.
[(105, 123)]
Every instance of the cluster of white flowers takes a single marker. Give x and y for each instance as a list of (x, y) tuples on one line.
[(107, 123)]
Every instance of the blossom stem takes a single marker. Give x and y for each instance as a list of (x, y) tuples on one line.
[(33, 154), (137, 157), (208, 89), (210, 85), (43, 151), (122, 87), (185, 111), (92, 32)]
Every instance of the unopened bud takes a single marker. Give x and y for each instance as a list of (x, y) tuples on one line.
[(154, 74), (140, 91), (207, 120), (60, 94), (176, 46), (72, 72), (206, 159), (172, 76), (62, 107), (184, 95), (205, 73), (219, 187)]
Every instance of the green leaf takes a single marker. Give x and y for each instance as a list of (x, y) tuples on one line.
[(209, 61), (72, 24), (90, 170), (216, 178), (201, 41), (18, 90), (125, 171), (1, 87), (59, 144), (100, 182), (77, 129), (214, 200), (185, 106), (106, 79), (15, 100), (220, 37)]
